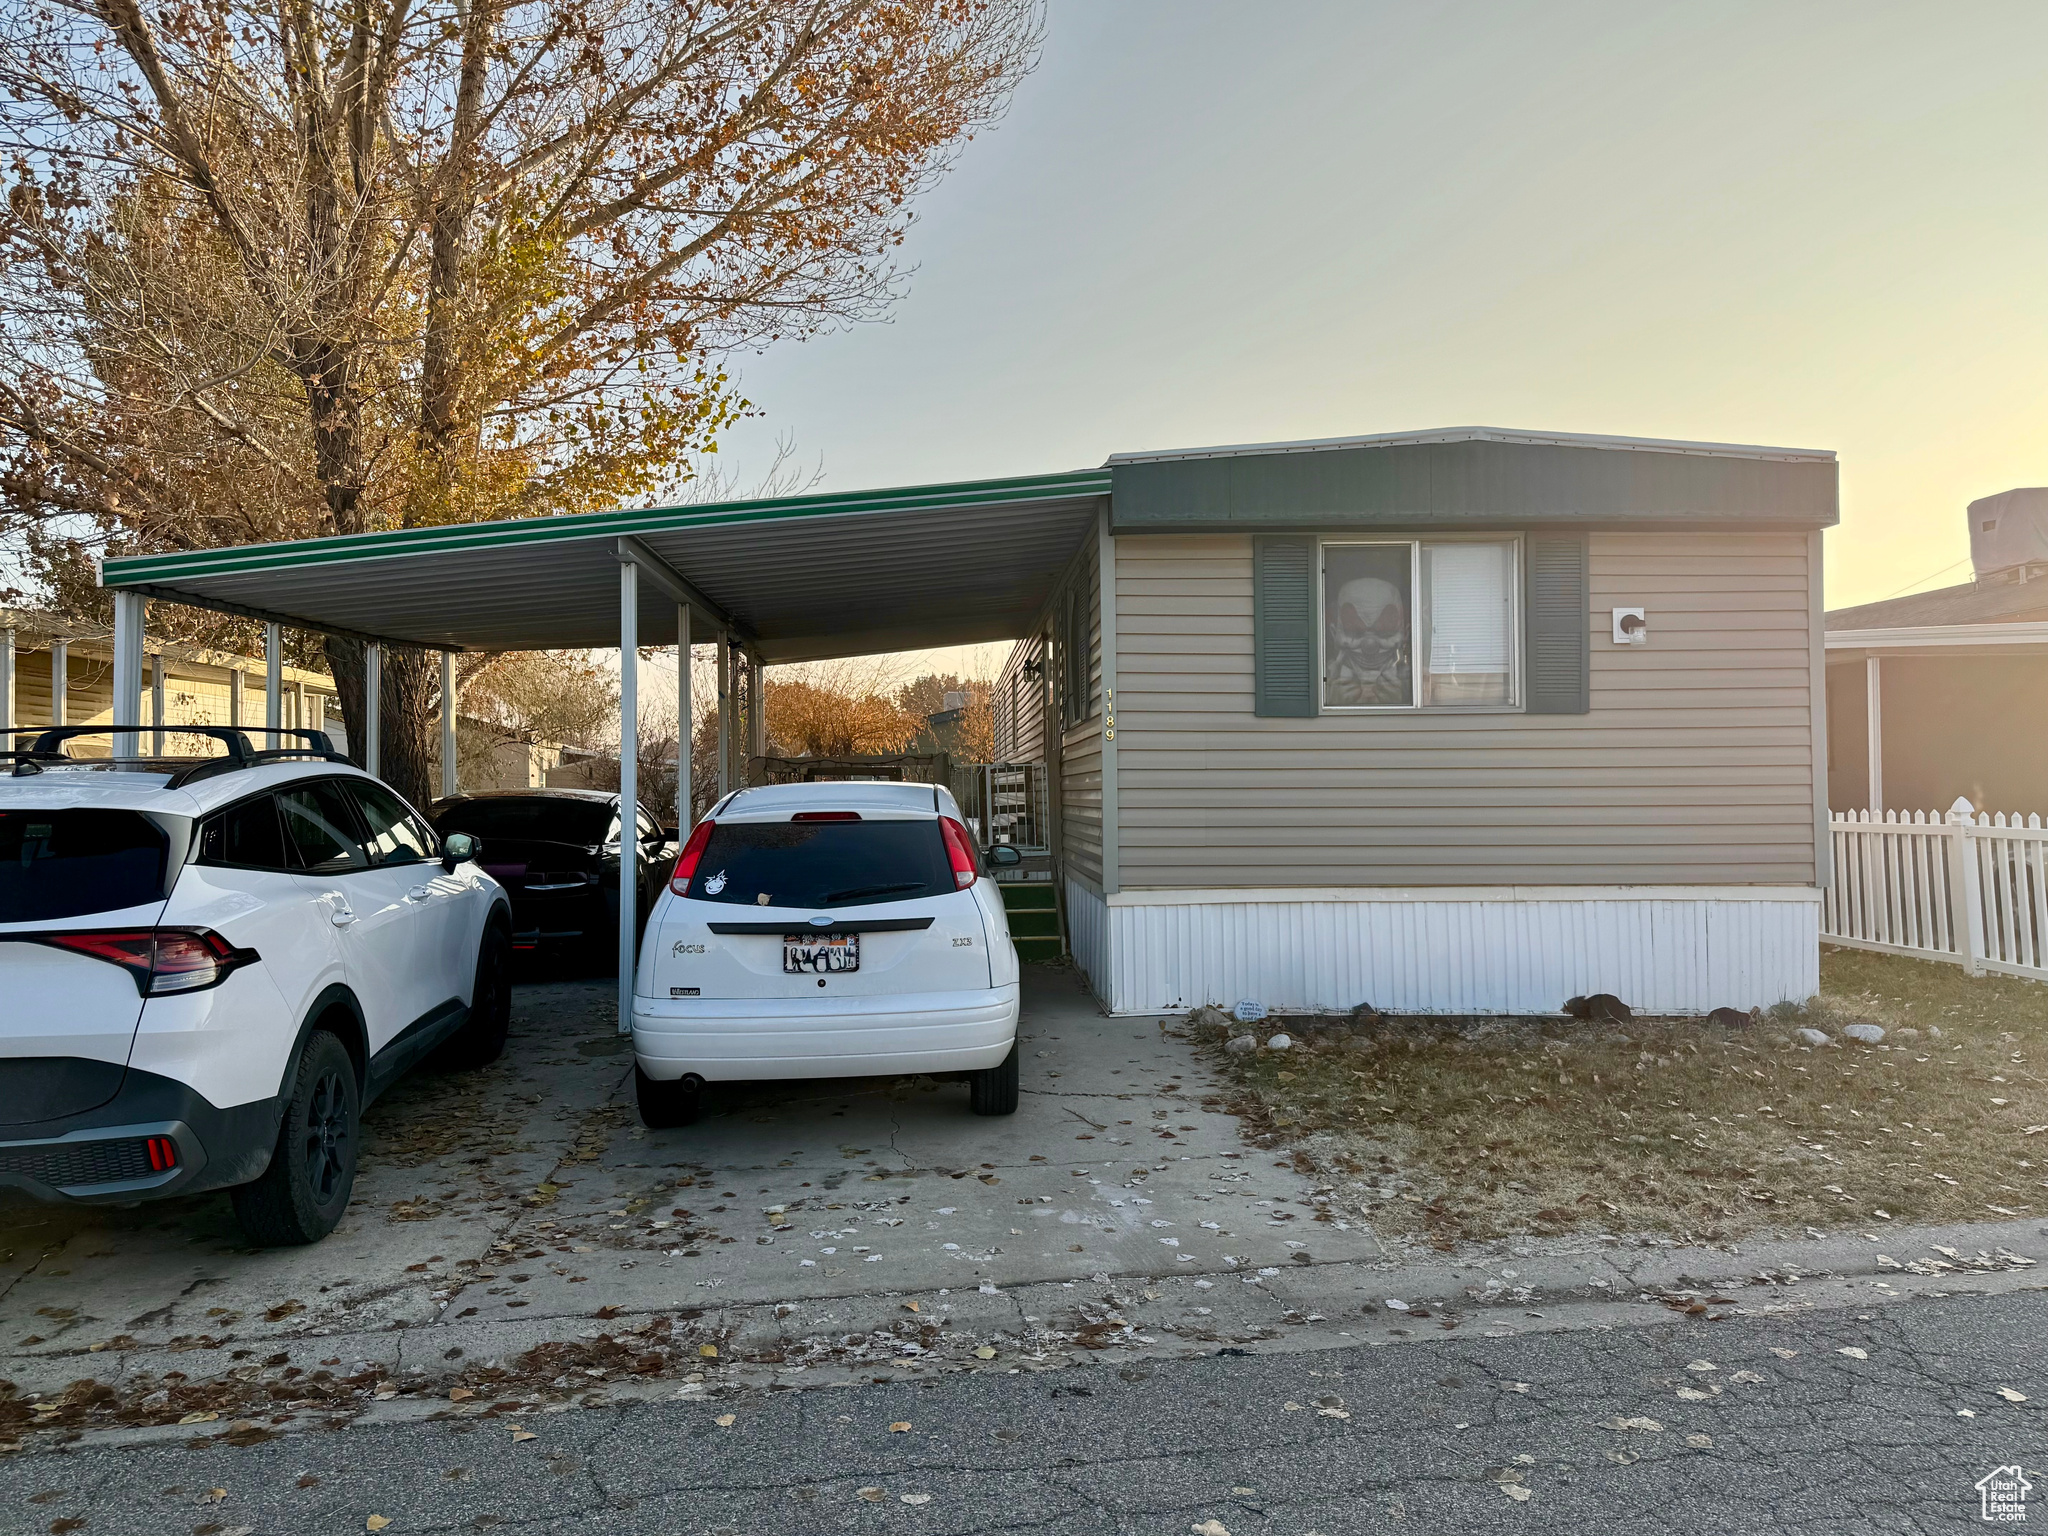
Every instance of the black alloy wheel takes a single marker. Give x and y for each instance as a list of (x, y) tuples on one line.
[(304, 1192), (481, 1039)]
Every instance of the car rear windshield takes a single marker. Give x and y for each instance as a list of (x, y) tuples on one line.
[(541, 820), (57, 864), (822, 863)]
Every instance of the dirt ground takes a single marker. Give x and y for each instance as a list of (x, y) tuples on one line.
[(1454, 1129)]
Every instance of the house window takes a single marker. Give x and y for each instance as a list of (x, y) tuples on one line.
[(1080, 684), (1426, 624)]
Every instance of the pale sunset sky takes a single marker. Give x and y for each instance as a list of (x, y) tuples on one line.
[(1819, 225)]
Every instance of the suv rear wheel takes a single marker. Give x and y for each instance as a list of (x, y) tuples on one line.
[(666, 1105), (993, 1090), (305, 1190)]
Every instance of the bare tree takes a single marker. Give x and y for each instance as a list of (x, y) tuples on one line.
[(337, 265)]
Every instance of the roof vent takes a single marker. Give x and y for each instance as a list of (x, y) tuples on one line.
[(2009, 533)]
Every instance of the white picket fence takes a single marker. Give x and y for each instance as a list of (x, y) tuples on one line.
[(1967, 887)]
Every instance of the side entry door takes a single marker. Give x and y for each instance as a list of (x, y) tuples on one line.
[(368, 907)]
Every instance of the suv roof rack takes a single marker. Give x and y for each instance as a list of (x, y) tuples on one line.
[(45, 748)]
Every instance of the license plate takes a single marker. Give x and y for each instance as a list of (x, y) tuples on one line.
[(805, 952)]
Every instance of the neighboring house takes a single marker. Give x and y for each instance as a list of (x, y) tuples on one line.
[(55, 672), (43, 657), (1467, 720), (1945, 693)]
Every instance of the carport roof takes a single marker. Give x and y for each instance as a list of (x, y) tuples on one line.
[(799, 578)]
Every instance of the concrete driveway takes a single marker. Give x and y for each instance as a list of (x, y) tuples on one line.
[(512, 1206)]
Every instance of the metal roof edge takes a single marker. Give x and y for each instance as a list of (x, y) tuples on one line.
[(139, 570), (2009, 632), (1480, 435)]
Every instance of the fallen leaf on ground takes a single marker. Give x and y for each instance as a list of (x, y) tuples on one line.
[(213, 1495), (1786, 1354), (376, 1523), (1517, 1492), (984, 1353), (915, 1498), (1703, 1365), (873, 1495), (199, 1418), (1699, 1442), (2011, 1396), (708, 1351), (1693, 1395), (901, 1426), (1210, 1528), (725, 1420), (1853, 1352), (520, 1435), (1647, 1426), (457, 1394)]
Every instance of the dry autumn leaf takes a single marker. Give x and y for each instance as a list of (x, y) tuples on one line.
[(376, 1523), (2011, 1396), (984, 1353), (873, 1495), (1853, 1352), (725, 1420), (901, 1426), (708, 1351), (457, 1394), (519, 1435), (199, 1418)]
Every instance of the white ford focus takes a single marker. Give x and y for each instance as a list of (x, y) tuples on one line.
[(826, 930)]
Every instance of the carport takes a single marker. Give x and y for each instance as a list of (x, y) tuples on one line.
[(801, 578)]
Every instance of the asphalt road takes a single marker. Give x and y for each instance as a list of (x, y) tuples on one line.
[(1429, 1436)]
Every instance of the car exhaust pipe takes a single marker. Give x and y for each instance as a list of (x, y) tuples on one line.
[(690, 1082)]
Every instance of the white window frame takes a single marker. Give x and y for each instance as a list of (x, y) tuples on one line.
[(1417, 642)]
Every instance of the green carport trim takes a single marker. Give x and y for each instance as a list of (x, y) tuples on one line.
[(160, 570)]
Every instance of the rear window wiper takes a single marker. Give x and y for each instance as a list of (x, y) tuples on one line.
[(877, 890)]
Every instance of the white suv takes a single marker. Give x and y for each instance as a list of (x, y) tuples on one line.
[(209, 966), (826, 930)]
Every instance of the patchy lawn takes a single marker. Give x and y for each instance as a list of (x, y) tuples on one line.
[(1486, 1127)]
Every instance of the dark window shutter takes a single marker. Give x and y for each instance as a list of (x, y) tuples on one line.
[(1283, 626), (1557, 625)]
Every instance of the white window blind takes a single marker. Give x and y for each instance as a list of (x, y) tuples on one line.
[(1470, 607)]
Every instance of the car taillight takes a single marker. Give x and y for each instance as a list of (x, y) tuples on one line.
[(826, 816), (686, 861), (162, 960), (960, 849), (163, 1153)]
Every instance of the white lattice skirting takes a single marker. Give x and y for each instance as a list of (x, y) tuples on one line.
[(1517, 949)]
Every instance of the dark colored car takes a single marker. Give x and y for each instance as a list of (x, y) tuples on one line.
[(556, 852)]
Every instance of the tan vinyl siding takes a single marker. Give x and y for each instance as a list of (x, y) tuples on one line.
[(1019, 703), (1081, 741), (1694, 765)]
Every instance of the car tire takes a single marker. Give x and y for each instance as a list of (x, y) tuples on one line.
[(304, 1192), (993, 1090), (664, 1106), (481, 1039)]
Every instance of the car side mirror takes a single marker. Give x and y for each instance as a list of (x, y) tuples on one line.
[(459, 848), (1003, 856)]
